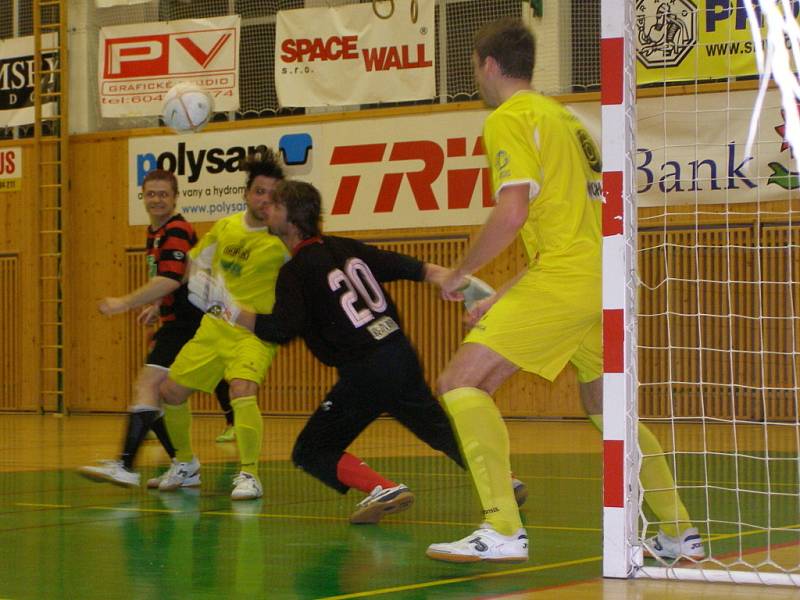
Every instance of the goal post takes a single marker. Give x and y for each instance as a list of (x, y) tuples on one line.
[(701, 293), (620, 450)]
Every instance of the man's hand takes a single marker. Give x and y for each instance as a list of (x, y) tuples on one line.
[(149, 315), (475, 291), (210, 295), (112, 306)]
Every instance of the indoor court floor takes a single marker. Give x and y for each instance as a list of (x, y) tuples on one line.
[(62, 536)]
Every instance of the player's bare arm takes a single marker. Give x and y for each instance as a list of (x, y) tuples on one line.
[(499, 231), (153, 290)]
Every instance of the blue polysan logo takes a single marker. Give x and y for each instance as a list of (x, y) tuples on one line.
[(295, 149)]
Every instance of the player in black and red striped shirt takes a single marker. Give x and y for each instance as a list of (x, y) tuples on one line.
[(169, 239)]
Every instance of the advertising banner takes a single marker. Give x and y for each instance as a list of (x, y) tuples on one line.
[(429, 170), (694, 40), (16, 79), (136, 69), (11, 169), (348, 55)]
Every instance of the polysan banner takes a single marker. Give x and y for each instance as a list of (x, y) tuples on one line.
[(16, 79), (139, 63), (689, 40), (350, 55)]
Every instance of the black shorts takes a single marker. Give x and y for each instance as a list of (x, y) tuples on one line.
[(389, 380), (168, 341)]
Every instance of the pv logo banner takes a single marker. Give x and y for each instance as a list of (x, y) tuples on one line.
[(135, 70), (350, 55)]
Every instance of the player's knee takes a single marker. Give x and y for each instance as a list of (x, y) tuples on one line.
[(301, 454), (170, 392), (239, 388)]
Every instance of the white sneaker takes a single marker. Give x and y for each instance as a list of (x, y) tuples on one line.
[(483, 544), (520, 491), (154, 482), (246, 487), (688, 545), (181, 474), (381, 502), (111, 471)]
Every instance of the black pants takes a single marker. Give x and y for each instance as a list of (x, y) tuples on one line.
[(390, 380)]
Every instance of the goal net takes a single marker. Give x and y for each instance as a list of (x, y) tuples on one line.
[(708, 293)]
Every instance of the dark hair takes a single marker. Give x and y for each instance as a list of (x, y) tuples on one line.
[(303, 206), (162, 175), (510, 43), (263, 162)]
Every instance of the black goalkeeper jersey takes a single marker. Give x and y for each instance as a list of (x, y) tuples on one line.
[(330, 294)]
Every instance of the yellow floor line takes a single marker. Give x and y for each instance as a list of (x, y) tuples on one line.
[(417, 586), (37, 505)]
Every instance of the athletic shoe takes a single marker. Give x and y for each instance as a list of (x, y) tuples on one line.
[(112, 471), (246, 487), (229, 435), (483, 544), (688, 545), (381, 502), (154, 482), (520, 491), (182, 474)]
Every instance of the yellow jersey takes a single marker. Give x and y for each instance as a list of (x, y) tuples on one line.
[(248, 258), (533, 139)]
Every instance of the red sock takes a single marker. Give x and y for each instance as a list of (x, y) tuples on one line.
[(355, 473)]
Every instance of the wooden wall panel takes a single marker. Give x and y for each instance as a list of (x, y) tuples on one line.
[(105, 353), (18, 236)]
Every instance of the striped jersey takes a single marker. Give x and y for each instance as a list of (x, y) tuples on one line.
[(167, 251)]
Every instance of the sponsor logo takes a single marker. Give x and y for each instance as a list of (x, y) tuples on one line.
[(781, 175), (167, 54), (461, 182), (295, 149), (339, 48), (666, 31)]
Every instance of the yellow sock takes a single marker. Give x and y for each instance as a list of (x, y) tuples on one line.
[(483, 438), (655, 474), (178, 419), (249, 432)]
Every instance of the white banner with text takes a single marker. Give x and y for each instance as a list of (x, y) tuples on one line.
[(429, 170), (348, 55), (135, 69)]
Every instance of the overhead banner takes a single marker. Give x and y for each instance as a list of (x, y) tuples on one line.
[(429, 170), (16, 79), (694, 40), (135, 69), (349, 55)]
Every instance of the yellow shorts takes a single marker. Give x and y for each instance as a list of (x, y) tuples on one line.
[(219, 350), (541, 325)]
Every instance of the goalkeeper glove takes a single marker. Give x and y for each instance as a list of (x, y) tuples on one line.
[(210, 295)]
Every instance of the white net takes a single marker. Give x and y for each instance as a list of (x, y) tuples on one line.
[(718, 317)]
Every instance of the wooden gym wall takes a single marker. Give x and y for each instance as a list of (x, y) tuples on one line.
[(104, 256)]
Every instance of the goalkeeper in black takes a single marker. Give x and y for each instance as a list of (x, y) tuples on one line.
[(330, 293)]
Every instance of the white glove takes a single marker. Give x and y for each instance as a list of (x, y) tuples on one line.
[(210, 295), (475, 291)]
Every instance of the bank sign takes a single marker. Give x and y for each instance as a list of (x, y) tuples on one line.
[(430, 170)]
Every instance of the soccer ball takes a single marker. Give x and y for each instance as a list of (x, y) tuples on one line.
[(187, 108)]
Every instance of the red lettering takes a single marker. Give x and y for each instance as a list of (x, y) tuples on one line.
[(201, 57), (392, 57), (432, 157), (7, 163), (333, 48), (350, 155)]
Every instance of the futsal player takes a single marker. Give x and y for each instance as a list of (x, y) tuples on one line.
[(240, 249), (545, 176), (331, 294), (169, 239)]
